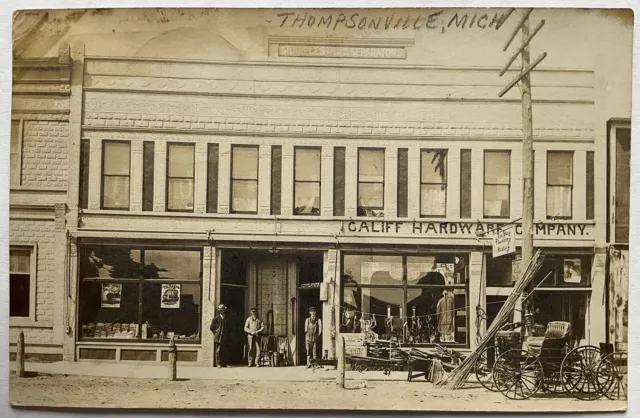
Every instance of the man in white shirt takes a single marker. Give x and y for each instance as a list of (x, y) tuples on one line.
[(312, 332), (253, 326)]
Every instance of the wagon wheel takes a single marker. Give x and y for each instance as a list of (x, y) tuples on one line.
[(552, 382), (583, 373), (483, 370), (517, 374), (617, 389)]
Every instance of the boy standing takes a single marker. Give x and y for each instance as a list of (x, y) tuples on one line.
[(312, 331)]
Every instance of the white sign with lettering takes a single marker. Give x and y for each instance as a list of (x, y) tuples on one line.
[(504, 242)]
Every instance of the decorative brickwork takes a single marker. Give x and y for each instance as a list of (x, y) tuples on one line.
[(44, 154)]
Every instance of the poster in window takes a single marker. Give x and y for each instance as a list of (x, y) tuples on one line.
[(170, 296), (516, 269), (111, 295), (572, 270)]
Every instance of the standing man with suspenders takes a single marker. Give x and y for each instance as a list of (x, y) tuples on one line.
[(312, 331), (253, 326)]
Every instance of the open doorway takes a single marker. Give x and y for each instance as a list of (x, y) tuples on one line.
[(233, 294), (310, 275)]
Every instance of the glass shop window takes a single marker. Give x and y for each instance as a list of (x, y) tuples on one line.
[(566, 271), (502, 271), (415, 299), (370, 181), (140, 295), (307, 181)]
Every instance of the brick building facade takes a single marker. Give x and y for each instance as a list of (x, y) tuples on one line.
[(360, 173)]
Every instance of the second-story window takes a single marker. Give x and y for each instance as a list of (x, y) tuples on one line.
[(307, 181), (180, 177), (244, 179), (497, 181), (370, 181), (433, 183), (559, 184), (116, 169)]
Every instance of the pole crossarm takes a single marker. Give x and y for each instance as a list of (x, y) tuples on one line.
[(523, 46), (522, 74), (504, 19), (517, 28)]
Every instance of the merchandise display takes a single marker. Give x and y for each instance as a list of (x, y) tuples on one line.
[(129, 331)]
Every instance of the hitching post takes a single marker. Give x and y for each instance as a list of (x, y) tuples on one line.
[(173, 363), (20, 355), (341, 362)]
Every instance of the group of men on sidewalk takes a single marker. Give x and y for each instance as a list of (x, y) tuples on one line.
[(254, 329)]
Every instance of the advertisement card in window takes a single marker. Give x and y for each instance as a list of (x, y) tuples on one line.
[(572, 270), (111, 295), (170, 296)]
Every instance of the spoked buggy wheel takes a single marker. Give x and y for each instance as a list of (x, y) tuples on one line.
[(517, 374), (483, 369), (584, 374), (552, 382), (617, 365)]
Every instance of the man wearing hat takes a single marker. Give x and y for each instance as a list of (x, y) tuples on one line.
[(221, 336), (253, 326), (312, 331)]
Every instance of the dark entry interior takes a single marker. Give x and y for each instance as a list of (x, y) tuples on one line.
[(309, 280), (233, 293)]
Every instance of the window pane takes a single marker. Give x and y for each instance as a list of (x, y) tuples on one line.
[(447, 316), (15, 152), (115, 192), (371, 165), (433, 200), (559, 201), (181, 160), (559, 168), (117, 158), (174, 265), (307, 166), (437, 270), (180, 194), (245, 163), (19, 291), (110, 262), (19, 260), (244, 196), (370, 195), (307, 196), (496, 167), (496, 201), (373, 302), (499, 271), (372, 269), (434, 166), (108, 310), (182, 318)]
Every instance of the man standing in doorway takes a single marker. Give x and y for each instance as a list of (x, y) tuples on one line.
[(221, 336), (253, 326), (312, 331)]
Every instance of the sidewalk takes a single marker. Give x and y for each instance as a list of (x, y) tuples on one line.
[(159, 371)]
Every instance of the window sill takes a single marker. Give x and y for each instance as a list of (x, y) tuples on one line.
[(17, 322)]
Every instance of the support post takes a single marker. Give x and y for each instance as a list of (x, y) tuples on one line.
[(527, 171), (20, 355), (173, 361), (341, 362)]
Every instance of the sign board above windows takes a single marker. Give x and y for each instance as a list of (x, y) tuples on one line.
[(310, 47)]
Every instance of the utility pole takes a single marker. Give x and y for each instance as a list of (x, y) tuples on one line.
[(524, 80)]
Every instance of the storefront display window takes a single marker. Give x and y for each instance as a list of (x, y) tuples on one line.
[(416, 299), (567, 271), (146, 295)]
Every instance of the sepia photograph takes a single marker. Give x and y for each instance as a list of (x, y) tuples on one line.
[(421, 209)]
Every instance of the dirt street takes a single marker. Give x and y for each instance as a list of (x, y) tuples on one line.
[(78, 391)]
